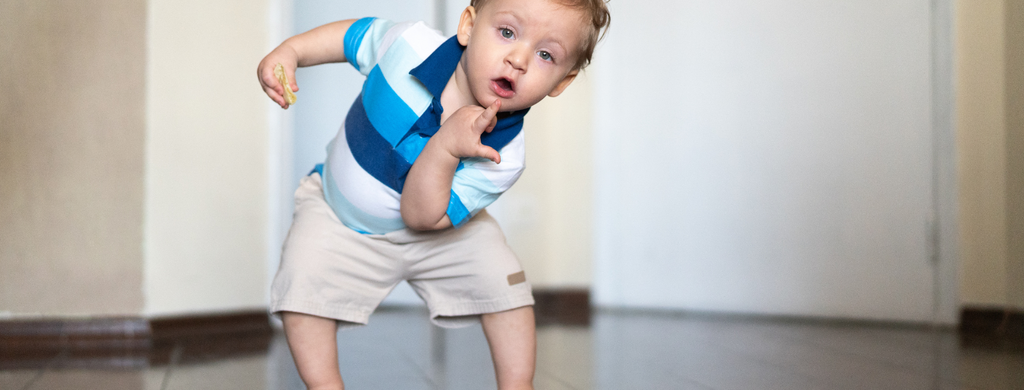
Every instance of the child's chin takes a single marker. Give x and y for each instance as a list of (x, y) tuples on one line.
[(509, 106), (487, 101)]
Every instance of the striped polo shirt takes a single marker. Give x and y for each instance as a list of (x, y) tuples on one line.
[(407, 66)]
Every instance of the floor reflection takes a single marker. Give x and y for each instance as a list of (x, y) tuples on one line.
[(620, 350)]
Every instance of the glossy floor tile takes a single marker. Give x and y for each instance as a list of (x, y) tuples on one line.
[(620, 350), (17, 379)]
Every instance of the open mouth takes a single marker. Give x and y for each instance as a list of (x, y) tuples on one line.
[(503, 87)]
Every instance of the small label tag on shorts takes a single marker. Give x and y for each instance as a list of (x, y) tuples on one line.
[(516, 278)]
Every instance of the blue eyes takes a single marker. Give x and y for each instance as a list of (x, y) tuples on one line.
[(508, 34)]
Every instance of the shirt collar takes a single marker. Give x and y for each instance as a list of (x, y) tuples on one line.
[(434, 73), (437, 69)]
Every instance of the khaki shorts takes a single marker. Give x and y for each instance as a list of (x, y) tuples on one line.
[(329, 270)]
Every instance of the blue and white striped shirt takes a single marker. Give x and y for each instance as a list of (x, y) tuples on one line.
[(407, 67)]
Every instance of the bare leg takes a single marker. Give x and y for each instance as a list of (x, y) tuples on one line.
[(314, 346), (512, 336)]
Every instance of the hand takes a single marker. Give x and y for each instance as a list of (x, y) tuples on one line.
[(460, 134), (286, 56)]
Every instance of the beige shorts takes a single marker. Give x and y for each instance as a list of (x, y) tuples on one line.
[(332, 271)]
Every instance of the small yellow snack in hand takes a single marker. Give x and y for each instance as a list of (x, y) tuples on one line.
[(282, 78)]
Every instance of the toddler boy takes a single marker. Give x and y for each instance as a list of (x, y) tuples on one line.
[(434, 137)]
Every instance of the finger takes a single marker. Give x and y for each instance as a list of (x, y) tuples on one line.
[(277, 98), (293, 81), (490, 126), (270, 81), (492, 110), (270, 85), (273, 95), (270, 93), (490, 154), (487, 118), (276, 90)]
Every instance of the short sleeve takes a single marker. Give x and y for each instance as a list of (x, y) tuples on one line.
[(479, 181), (363, 42)]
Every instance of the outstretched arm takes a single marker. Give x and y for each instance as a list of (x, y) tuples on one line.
[(321, 45), (428, 187)]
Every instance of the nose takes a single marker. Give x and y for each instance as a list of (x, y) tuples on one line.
[(518, 58)]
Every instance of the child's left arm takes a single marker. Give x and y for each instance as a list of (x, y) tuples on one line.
[(428, 186)]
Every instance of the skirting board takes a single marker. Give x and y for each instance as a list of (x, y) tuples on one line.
[(992, 327), (132, 341), (562, 306), (142, 342)]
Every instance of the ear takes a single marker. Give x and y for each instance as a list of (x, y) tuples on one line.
[(466, 25), (562, 85)]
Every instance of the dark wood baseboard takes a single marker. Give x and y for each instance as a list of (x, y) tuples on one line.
[(132, 341), (562, 306), (143, 342), (992, 327)]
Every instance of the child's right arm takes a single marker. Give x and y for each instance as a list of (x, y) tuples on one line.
[(320, 45), (428, 186)]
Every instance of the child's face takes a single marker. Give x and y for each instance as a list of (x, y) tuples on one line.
[(519, 51)]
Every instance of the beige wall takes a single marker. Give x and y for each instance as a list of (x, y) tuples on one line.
[(206, 157), (72, 124), (990, 77), (1015, 149), (546, 216), (133, 157)]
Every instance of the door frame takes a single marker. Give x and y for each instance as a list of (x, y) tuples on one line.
[(945, 226)]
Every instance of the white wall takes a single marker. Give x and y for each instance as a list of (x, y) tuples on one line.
[(767, 157), (206, 157)]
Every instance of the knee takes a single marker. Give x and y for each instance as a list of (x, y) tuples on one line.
[(516, 384), (516, 378), (338, 386)]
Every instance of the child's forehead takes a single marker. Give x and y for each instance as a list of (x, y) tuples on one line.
[(564, 21), (548, 11)]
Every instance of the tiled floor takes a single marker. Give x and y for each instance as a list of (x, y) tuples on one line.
[(400, 350)]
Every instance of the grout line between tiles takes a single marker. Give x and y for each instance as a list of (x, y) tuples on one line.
[(34, 378), (63, 353), (175, 356), (38, 374)]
